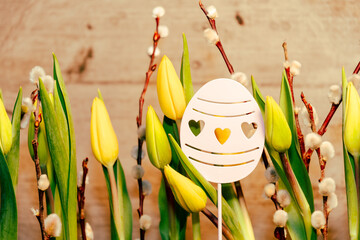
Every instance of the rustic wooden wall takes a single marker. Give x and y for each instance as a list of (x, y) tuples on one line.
[(322, 35)]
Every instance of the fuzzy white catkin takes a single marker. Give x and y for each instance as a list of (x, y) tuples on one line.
[(43, 182), (212, 12), (27, 105), (240, 77), (134, 152), (137, 171), (80, 178), (334, 94), (280, 218), (35, 211), (35, 73), (283, 198), (163, 31), (158, 12), (48, 83), (271, 175), (286, 64), (297, 110), (145, 222), (327, 186), (141, 132), (211, 36), (306, 118), (332, 201), (150, 51), (89, 232), (318, 219), (327, 150), (52, 225), (313, 140), (355, 79), (295, 68), (269, 190), (147, 187)]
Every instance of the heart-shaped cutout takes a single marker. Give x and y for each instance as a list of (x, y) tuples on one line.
[(222, 135), (249, 129), (196, 126)]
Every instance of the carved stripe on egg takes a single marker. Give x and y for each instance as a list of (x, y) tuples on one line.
[(228, 145)]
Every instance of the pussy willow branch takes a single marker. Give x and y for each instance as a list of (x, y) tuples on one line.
[(218, 44), (328, 118), (35, 143), (81, 198), (214, 220), (290, 78), (151, 69)]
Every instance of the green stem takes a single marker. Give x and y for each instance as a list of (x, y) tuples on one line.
[(196, 226), (171, 208), (299, 195), (115, 201)]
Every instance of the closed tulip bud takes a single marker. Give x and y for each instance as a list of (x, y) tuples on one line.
[(5, 130), (170, 91), (352, 121), (157, 143), (277, 131), (187, 194), (104, 142)]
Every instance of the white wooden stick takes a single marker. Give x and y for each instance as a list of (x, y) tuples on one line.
[(219, 212)]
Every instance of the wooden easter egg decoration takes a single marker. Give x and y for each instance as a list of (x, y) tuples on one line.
[(222, 131)]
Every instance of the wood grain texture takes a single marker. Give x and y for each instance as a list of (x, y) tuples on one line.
[(103, 44)]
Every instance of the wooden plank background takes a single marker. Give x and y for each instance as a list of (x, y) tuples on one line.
[(323, 35)]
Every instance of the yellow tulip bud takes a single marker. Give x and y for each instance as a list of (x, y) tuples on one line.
[(277, 131), (157, 142), (352, 121), (188, 195), (5, 130), (170, 91), (104, 142)]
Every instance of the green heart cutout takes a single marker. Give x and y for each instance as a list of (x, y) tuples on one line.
[(196, 126)]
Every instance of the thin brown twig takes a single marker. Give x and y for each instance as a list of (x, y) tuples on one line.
[(150, 71), (290, 78), (218, 43), (35, 143), (329, 116), (214, 220), (81, 198)]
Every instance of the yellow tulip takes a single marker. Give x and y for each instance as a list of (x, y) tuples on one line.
[(188, 195), (352, 121), (277, 131), (5, 130), (170, 91), (157, 142), (104, 142)]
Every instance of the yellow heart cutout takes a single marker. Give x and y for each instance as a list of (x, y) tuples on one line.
[(222, 135)]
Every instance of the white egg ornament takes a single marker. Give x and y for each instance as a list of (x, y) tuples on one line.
[(222, 131)]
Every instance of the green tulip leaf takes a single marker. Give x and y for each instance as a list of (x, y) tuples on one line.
[(229, 216), (124, 203), (8, 209), (295, 159), (185, 72), (239, 207), (72, 173), (12, 157), (59, 156), (171, 224)]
